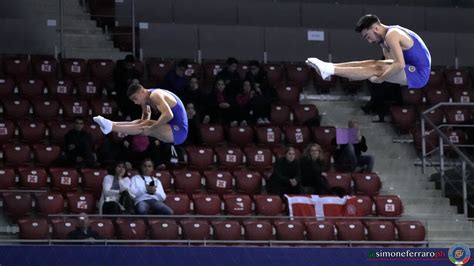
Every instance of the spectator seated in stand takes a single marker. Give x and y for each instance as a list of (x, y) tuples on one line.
[(193, 125), (285, 177), (147, 192), (176, 81), (200, 100), (313, 168), (79, 146), (254, 108), (115, 198), (227, 111), (83, 230), (231, 77), (124, 75), (258, 77)]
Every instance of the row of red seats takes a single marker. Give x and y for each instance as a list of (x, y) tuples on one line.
[(261, 229), (434, 95)]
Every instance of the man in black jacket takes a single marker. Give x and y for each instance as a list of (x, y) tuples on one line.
[(83, 230)]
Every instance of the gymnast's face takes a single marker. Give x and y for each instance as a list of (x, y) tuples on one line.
[(139, 97), (372, 34)]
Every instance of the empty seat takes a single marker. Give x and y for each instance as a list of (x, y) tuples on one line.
[(380, 230), (436, 116), (342, 180), (107, 108), (456, 136), (298, 74), (7, 131), (237, 204), (131, 228), (388, 205), (15, 108), (350, 230), (60, 89), (101, 69), (319, 230), (403, 117), (57, 130), (275, 73), (228, 157), (432, 140), (16, 154), (280, 114), (31, 88), (33, 177), (88, 89), (45, 109), (211, 134), (17, 204), (165, 178), (33, 228), (64, 179), (200, 158), (412, 97), (46, 154), (195, 229), (456, 115), (219, 182), (45, 68), (7, 178), (359, 206), (268, 205), (73, 68), (163, 229), (92, 180), (211, 69), (457, 77), (258, 230), (367, 183), (49, 203), (240, 136), (179, 203), (437, 96), (157, 70), (62, 228), (248, 182), (462, 95), (226, 230), (288, 95), (31, 131), (324, 137), (305, 113), (297, 135), (7, 86), (270, 135), (17, 67), (94, 130), (81, 202), (289, 230), (207, 204), (258, 158), (410, 230), (72, 109), (104, 227), (187, 181)]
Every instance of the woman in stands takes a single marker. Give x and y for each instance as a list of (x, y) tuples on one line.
[(115, 197), (285, 178), (313, 169)]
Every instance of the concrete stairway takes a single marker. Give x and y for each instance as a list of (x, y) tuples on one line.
[(395, 164), (82, 38)]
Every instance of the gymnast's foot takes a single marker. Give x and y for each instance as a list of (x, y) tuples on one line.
[(324, 69), (104, 123)]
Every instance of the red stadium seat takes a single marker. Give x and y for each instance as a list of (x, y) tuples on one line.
[(288, 95), (229, 158), (193, 69), (226, 230), (157, 70), (31, 131), (31, 88), (437, 78), (367, 183), (92, 180), (297, 135), (196, 229), (432, 140), (45, 109), (458, 77), (240, 136), (403, 117), (456, 136), (289, 230), (163, 229), (436, 116), (211, 69), (462, 95), (104, 227), (62, 228), (187, 181), (101, 69), (17, 67), (258, 230), (49, 203), (7, 86), (33, 177), (33, 228), (211, 134), (45, 68), (268, 205), (72, 109), (17, 204), (275, 73), (298, 74), (94, 129), (319, 230), (410, 230), (388, 205), (258, 158), (7, 131), (179, 203), (412, 97), (131, 228), (207, 204), (304, 113), (165, 178), (46, 154), (350, 230), (60, 89), (324, 137), (57, 130), (280, 114), (436, 96), (64, 179), (380, 230), (16, 154), (81, 202), (7, 178), (248, 182), (107, 108), (15, 108), (73, 68), (200, 158), (456, 115), (342, 180), (88, 89), (359, 206), (237, 204), (269, 135), (219, 182)]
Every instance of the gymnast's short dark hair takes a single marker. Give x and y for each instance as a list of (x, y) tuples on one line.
[(134, 87), (366, 21)]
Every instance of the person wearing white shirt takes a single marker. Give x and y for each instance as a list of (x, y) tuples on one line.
[(148, 192), (115, 197)]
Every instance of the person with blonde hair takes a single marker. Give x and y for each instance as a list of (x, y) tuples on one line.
[(313, 169)]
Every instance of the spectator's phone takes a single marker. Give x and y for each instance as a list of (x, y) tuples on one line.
[(152, 183)]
